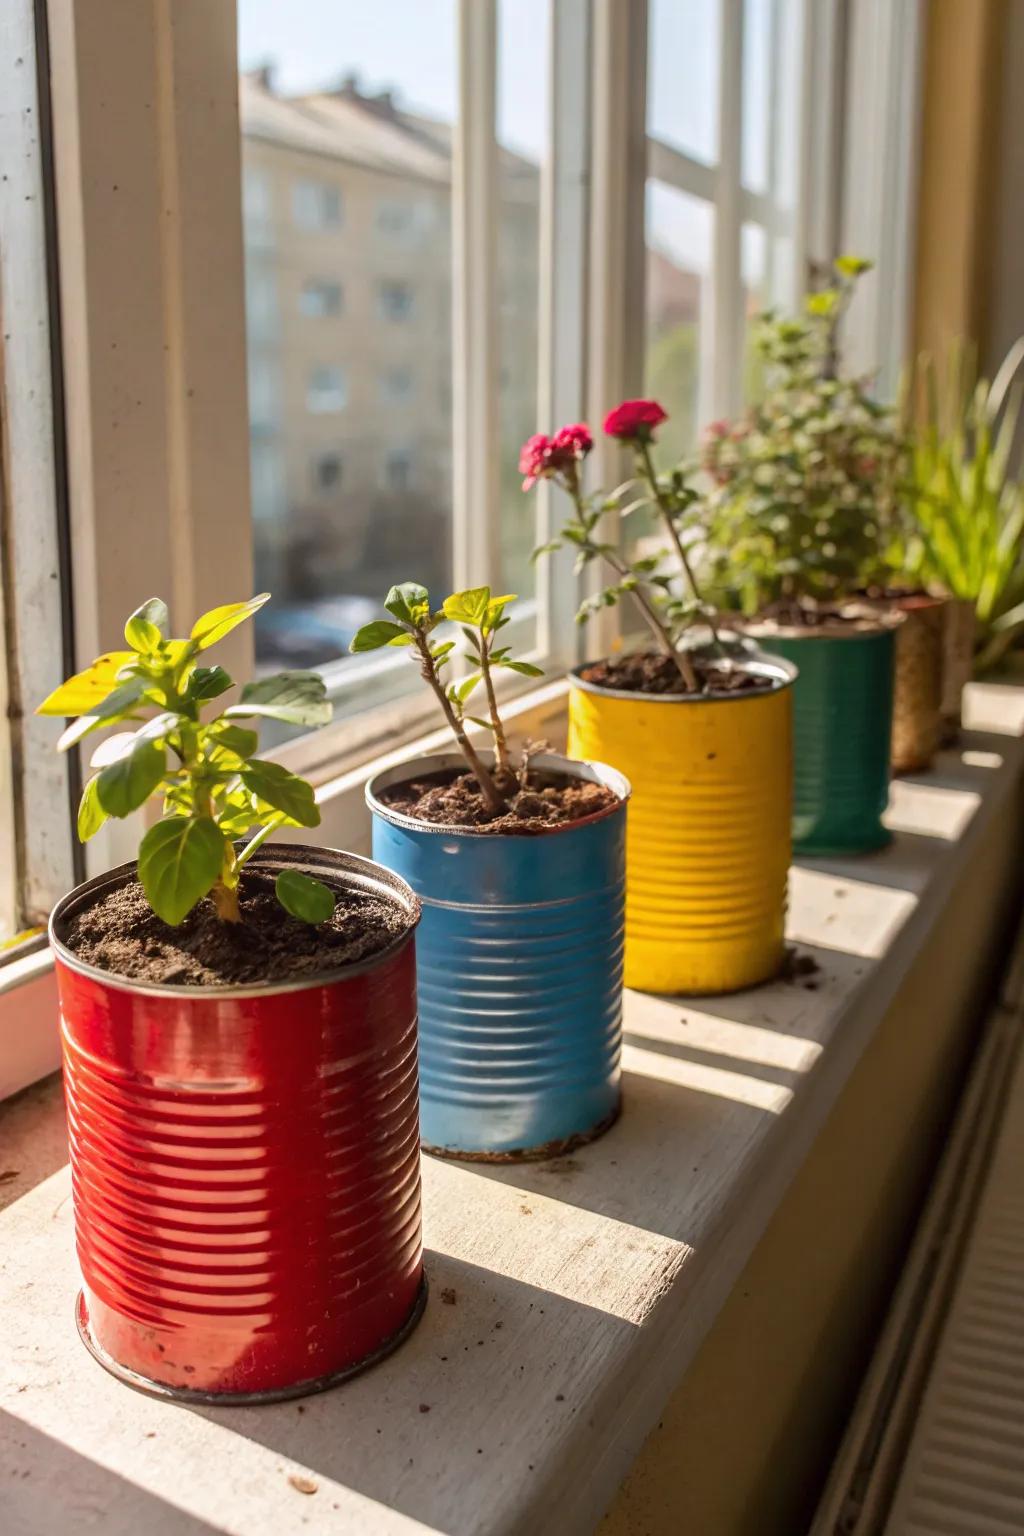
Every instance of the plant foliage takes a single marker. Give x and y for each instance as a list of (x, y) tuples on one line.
[(480, 617), (809, 488), (967, 494), (213, 787)]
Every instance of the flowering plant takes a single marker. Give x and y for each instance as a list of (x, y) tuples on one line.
[(213, 787), (807, 489), (481, 618), (651, 579)]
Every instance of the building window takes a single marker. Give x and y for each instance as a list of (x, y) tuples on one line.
[(396, 300), (316, 205), (396, 386), (398, 470), (320, 298), (326, 391), (327, 472)]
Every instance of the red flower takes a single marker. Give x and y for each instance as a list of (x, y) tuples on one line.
[(541, 456), (635, 420)]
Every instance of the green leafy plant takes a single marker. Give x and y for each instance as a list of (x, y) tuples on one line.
[(809, 488), (651, 580), (214, 788), (481, 619), (967, 493)]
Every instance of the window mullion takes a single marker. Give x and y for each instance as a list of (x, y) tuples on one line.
[(562, 337), (475, 359), (727, 279), (617, 250)]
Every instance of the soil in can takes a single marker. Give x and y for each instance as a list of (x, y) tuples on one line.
[(122, 934), (454, 799)]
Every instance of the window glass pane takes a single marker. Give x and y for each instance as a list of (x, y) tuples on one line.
[(346, 116), (522, 127), (682, 76), (757, 50), (678, 232)]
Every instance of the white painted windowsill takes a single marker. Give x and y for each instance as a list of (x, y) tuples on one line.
[(583, 1286)]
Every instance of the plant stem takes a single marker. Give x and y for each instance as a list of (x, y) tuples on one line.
[(500, 742), (656, 491), (650, 613), (225, 900), (493, 798)]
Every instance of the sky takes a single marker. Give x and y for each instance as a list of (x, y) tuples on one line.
[(404, 45)]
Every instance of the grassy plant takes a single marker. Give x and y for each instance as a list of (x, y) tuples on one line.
[(967, 492)]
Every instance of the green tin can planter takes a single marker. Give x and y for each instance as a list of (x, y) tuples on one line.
[(842, 730)]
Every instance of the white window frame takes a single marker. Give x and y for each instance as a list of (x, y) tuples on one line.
[(147, 151), (38, 855)]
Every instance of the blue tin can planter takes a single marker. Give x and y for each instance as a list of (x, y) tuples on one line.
[(519, 959)]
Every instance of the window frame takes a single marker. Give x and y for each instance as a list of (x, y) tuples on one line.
[(39, 857), (177, 313)]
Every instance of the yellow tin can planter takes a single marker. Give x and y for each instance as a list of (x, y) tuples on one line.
[(708, 830)]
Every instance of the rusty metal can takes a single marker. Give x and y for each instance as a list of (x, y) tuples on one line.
[(957, 662), (245, 1162), (918, 685)]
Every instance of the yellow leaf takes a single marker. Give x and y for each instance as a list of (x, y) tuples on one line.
[(80, 693)]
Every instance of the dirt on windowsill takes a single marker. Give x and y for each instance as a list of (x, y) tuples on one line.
[(123, 935), (451, 798)]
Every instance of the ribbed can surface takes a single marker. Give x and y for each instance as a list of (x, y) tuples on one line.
[(957, 662), (245, 1163), (842, 724), (520, 970), (708, 837), (917, 701)]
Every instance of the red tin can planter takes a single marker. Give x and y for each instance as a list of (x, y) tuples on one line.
[(245, 1163)]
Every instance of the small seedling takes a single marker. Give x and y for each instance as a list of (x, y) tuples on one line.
[(481, 619), (214, 788)]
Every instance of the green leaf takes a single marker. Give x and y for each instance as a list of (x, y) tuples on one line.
[(142, 636), (465, 688), (125, 785), (118, 705), (524, 668), (467, 607), (233, 738), (86, 689), (492, 618), (852, 266), (305, 898), (284, 790), (179, 861), (297, 698), (823, 303), (153, 611), (218, 622), (91, 814), (208, 683), (372, 636), (407, 600)]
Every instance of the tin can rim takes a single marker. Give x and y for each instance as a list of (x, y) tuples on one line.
[(863, 620), (782, 672), (363, 874), (591, 771)]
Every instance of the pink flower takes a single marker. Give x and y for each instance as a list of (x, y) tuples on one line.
[(533, 459), (570, 443), (541, 456), (635, 420)]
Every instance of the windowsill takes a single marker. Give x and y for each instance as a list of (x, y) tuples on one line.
[(583, 1286)]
